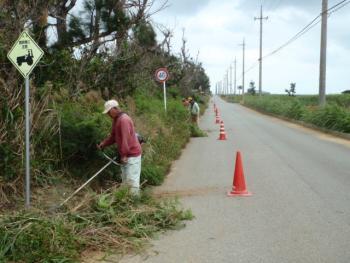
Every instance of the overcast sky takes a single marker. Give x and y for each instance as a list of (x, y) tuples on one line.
[(216, 28)]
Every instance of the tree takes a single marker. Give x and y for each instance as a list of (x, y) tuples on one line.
[(291, 91), (252, 89), (144, 35), (240, 88)]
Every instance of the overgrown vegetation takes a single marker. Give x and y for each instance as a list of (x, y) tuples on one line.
[(106, 49), (115, 220), (335, 116)]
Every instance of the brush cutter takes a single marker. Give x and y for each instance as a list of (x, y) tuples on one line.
[(111, 160)]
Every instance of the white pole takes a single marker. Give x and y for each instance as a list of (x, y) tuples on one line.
[(27, 121), (164, 91)]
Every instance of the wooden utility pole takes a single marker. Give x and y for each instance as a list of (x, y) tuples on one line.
[(261, 18), (323, 54)]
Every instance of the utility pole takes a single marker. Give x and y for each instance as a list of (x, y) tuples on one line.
[(235, 82), (323, 54), (261, 18), (243, 69), (222, 87), (224, 84), (231, 79), (227, 83)]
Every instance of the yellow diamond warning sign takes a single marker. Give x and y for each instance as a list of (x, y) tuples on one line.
[(25, 54)]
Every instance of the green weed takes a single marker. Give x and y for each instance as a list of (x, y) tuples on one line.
[(115, 220), (335, 116), (196, 131)]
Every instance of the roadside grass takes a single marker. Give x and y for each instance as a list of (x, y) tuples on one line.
[(334, 116), (115, 220), (197, 132)]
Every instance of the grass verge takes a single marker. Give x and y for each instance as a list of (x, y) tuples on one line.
[(115, 221), (335, 116)]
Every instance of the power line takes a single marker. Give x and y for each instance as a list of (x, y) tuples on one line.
[(256, 63), (337, 9), (334, 6), (310, 25)]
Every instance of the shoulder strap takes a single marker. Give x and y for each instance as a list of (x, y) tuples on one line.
[(120, 114)]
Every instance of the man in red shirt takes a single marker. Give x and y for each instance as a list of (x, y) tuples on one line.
[(124, 136)]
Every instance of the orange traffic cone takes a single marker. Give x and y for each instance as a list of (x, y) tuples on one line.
[(222, 135), (217, 119), (239, 188)]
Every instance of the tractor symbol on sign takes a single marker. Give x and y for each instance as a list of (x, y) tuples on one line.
[(26, 58)]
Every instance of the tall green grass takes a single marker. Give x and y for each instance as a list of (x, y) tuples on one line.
[(114, 219), (334, 116)]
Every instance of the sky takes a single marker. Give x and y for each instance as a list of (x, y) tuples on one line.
[(216, 29)]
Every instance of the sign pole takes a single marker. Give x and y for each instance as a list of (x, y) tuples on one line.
[(162, 76), (27, 201), (24, 55), (164, 91)]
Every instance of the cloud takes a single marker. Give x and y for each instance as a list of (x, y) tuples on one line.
[(183, 7), (216, 30), (308, 5)]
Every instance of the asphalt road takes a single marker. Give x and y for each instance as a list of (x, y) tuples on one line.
[(300, 207)]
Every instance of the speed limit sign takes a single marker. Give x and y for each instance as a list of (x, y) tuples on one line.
[(162, 74)]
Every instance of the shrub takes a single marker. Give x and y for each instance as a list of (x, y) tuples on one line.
[(152, 174), (196, 131), (81, 129), (330, 117), (296, 110)]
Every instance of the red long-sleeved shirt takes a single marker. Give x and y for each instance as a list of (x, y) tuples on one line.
[(123, 134)]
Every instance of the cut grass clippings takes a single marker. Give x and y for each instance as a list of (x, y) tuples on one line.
[(114, 220)]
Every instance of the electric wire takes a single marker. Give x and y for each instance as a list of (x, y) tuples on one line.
[(304, 30), (309, 26)]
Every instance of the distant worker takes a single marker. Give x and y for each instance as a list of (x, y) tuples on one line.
[(194, 110), (185, 102), (124, 136)]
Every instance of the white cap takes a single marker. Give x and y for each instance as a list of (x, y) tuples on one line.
[(109, 105)]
